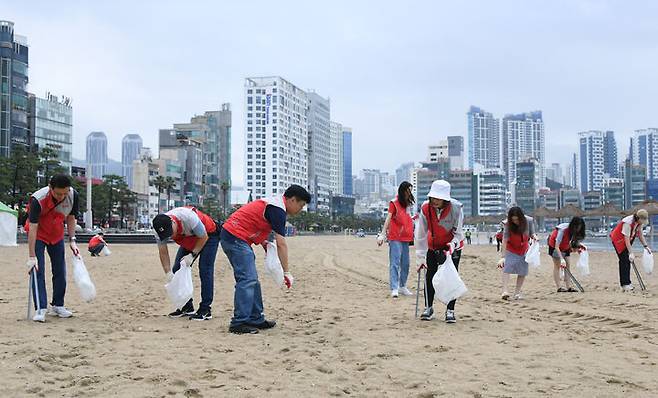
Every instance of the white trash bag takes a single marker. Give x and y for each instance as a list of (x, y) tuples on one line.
[(273, 266), (532, 256), (447, 284), (106, 251), (647, 262), (583, 263), (83, 280), (180, 289)]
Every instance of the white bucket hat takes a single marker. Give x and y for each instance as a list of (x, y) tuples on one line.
[(440, 190)]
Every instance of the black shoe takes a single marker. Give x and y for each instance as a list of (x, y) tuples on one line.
[(427, 315), (201, 315), (450, 316), (242, 329), (263, 325), (187, 310)]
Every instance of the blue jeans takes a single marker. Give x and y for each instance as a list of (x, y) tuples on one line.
[(398, 255), (58, 266), (248, 300), (206, 270)]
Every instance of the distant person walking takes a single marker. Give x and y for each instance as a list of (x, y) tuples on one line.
[(622, 237), (499, 239), (468, 236), (399, 230), (438, 234), (564, 239), (518, 234)]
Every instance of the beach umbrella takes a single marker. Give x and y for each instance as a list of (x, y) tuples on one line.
[(607, 210), (570, 211), (651, 206)]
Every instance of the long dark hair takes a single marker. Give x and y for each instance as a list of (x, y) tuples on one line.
[(523, 223), (577, 230), (402, 195)]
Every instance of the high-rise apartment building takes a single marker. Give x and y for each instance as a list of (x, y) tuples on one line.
[(523, 138), (491, 192), (96, 154), (597, 159), (527, 184), (336, 159), (346, 164), (610, 163), (644, 150), (276, 132), (484, 143), (51, 126), (189, 152), (456, 152), (131, 146), (403, 173), (613, 192), (319, 150), (14, 129), (635, 183)]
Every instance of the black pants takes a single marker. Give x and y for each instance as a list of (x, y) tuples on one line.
[(96, 249), (624, 268), (498, 245), (434, 258)]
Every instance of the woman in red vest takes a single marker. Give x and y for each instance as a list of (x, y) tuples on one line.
[(622, 238), (518, 231), (399, 230), (197, 234), (438, 234), (565, 238)]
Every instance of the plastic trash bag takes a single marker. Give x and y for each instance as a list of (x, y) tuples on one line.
[(532, 256), (447, 283), (647, 262), (180, 289), (273, 266), (83, 280), (106, 251), (583, 263)]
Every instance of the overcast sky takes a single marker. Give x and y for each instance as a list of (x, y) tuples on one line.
[(401, 74)]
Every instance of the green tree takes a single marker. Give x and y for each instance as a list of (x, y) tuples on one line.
[(160, 182), (18, 179), (49, 164), (169, 185)]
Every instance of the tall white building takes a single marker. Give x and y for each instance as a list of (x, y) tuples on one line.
[(523, 138), (276, 132), (96, 154), (491, 192), (131, 145), (319, 150), (484, 144), (644, 150), (591, 157), (336, 154)]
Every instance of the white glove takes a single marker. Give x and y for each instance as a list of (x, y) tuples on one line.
[(563, 263), (420, 262), (501, 263), (631, 257), (288, 279), (169, 276), (32, 263), (186, 261), (380, 239)]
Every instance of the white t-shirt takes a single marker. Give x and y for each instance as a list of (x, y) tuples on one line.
[(192, 224), (626, 227)]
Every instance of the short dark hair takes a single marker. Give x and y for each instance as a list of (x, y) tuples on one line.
[(100, 233), (163, 226), (298, 192), (60, 181)]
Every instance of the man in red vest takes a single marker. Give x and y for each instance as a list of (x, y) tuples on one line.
[(252, 224), (48, 209), (197, 234), (96, 244), (438, 234)]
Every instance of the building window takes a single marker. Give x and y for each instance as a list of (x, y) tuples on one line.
[(249, 100)]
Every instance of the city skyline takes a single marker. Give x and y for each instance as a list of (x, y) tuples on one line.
[(394, 80)]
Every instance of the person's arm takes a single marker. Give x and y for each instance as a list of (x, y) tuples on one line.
[(458, 235), (384, 234), (531, 229), (558, 240), (420, 239), (626, 232), (165, 261), (71, 222), (282, 251), (32, 239), (642, 239)]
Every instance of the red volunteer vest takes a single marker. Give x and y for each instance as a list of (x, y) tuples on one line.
[(94, 241), (249, 223), (617, 237), (401, 227), (440, 229), (51, 219), (188, 242), (565, 244), (517, 243)]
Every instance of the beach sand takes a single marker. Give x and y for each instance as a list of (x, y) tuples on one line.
[(338, 333)]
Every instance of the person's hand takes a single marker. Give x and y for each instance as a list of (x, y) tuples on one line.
[(450, 249), (32, 263), (501, 263), (421, 266), (169, 276), (380, 239), (563, 263), (74, 249), (534, 237), (288, 279), (631, 257), (648, 249), (187, 260)]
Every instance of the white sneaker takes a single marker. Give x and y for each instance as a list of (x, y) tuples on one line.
[(405, 292), (40, 315), (394, 293), (627, 288), (518, 296), (61, 312)]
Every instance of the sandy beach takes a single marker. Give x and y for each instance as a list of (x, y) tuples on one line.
[(338, 333)]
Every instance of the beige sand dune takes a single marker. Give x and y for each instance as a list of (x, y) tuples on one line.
[(338, 333)]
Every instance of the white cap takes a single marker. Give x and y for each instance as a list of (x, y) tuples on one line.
[(440, 190)]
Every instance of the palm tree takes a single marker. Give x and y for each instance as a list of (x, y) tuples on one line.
[(170, 183), (160, 182), (225, 187)]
